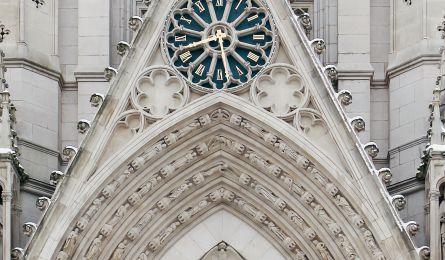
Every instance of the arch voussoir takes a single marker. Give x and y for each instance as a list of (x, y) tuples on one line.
[(148, 175)]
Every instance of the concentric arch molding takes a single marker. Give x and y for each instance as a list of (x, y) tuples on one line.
[(257, 144), (245, 151)]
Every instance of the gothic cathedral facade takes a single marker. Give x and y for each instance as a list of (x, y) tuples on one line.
[(222, 129)]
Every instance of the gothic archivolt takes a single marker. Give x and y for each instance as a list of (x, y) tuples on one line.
[(332, 210)]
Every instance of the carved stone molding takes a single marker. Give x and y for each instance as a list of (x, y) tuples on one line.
[(306, 23), (110, 73), (399, 202), (29, 229), (241, 149), (96, 99), (135, 23), (83, 126), (123, 48), (43, 203), (345, 97), (281, 90), (56, 177), (69, 152), (318, 45), (385, 175)]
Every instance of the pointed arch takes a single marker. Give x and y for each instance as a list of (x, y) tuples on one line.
[(315, 201)]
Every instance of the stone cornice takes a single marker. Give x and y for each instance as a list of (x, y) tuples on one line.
[(38, 188), (90, 76), (35, 67), (421, 140), (407, 186), (39, 148), (423, 59)]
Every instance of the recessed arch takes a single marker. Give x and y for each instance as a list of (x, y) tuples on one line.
[(290, 167)]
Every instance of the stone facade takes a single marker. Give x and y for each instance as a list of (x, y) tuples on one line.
[(386, 56)]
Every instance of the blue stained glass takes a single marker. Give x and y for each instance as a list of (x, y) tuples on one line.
[(206, 65), (188, 22), (252, 19), (202, 10), (219, 10), (238, 8), (198, 57)]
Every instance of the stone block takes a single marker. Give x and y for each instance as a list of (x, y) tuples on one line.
[(402, 135), (353, 44), (94, 46), (401, 97), (94, 26)]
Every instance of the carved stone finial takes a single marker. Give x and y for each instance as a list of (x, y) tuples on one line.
[(345, 97), (96, 99), (331, 72), (83, 126), (408, 2), (110, 73), (441, 28), (17, 254), (56, 177), (319, 45), (122, 48), (424, 252), (358, 123), (38, 2), (3, 32), (385, 175), (135, 23), (412, 228), (399, 202), (306, 23), (372, 149), (43, 203), (69, 152), (29, 229)]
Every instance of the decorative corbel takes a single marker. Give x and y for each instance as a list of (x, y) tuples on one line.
[(399, 202), (424, 252), (345, 97), (43, 203), (331, 72), (56, 177), (358, 123), (135, 23), (412, 228), (96, 99), (69, 152), (110, 73), (372, 149), (306, 23), (83, 126), (122, 48), (319, 45), (17, 254), (147, 2), (385, 175), (29, 229)]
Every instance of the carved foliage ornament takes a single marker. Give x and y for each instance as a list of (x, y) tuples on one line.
[(219, 115), (280, 90), (158, 92)]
